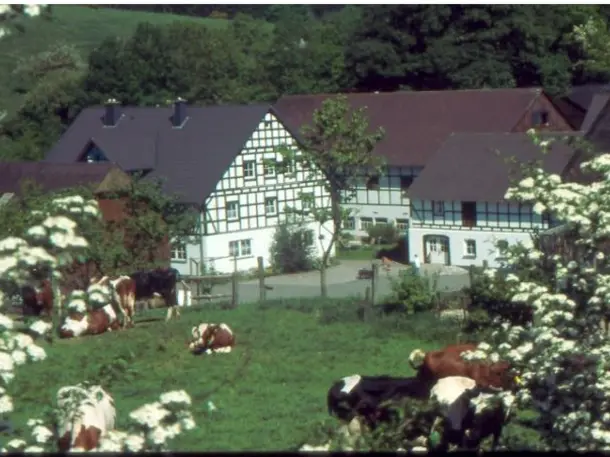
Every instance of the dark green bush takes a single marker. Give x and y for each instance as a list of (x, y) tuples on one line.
[(382, 234), (415, 291), (292, 249)]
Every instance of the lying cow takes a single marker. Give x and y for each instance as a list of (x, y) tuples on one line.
[(93, 322), (434, 365), (82, 423), (158, 283), (366, 398), (123, 292), (211, 338), (38, 299), (467, 413)]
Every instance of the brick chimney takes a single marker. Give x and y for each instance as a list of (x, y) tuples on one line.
[(179, 116), (112, 112)]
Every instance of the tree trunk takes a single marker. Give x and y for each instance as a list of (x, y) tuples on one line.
[(323, 285)]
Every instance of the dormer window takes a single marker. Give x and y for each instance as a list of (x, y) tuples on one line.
[(540, 118)]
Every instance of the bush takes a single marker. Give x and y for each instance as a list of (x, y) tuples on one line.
[(382, 234), (417, 292), (292, 249), (490, 299)]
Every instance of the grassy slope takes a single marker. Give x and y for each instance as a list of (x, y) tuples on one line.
[(78, 25), (274, 404)]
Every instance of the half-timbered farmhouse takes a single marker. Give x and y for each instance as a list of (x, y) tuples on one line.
[(416, 124), (217, 159), (459, 214)]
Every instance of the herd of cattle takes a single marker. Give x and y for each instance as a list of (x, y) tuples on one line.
[(39, 299), (458, 390)]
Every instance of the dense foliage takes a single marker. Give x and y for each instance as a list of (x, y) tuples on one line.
[(292, 249)]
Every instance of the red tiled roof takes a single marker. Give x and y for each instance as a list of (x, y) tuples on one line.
[(417, 123)]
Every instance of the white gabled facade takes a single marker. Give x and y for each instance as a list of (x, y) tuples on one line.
[(382, 200), (468, 233), (241, 215)]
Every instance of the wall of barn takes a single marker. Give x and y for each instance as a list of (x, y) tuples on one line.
[(250, 200), (382, 200), (441, 232)]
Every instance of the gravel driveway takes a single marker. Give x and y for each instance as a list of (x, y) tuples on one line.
[(341, 281)]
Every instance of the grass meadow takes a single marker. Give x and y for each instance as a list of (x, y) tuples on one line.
[(270, 392)]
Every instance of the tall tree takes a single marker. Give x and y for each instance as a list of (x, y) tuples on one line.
[(428, 47), (338, 149)]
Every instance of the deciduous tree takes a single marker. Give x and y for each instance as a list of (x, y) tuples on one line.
[(338, 147)]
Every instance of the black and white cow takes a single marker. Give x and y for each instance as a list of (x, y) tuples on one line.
[(158, 283), (367, 398), (470, 413)]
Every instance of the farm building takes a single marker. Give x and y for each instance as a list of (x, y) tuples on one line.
[(216, 159), (416, 124), (459, 214), (108, 182)]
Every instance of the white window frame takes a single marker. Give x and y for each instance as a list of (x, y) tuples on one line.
[(350, 223), (245, 247), (438, 208), (273, 206), (240, 248), (178, 251), (402, 224), (249, 173), (381, 221), (232, 213), (366, 222), (468, 244)]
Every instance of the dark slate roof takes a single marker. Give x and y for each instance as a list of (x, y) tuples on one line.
[(417, 123), (467, 168), (191, 159), (51, 176), (598, 102), (582, 96)]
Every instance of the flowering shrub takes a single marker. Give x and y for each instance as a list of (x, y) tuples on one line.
[(563, 358), (52, 242)]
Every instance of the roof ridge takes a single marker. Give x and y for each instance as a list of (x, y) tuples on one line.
[(534, 89)]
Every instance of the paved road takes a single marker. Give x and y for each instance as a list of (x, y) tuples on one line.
[(341, 282)]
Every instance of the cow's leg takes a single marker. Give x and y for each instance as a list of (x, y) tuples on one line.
[(170, 311)]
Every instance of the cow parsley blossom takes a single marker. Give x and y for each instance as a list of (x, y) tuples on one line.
[(49, 244)]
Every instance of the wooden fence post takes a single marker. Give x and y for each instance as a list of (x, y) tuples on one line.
[(471, 275), (374, 279), (235, 285), (261, 280)]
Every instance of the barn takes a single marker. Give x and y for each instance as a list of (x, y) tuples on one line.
[(109, 184)]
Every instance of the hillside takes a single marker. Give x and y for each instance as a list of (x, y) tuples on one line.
[(81, 26)]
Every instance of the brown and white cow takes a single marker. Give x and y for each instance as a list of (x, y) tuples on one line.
[(123, 292), (86, 414), (93, 322), (211, 338)]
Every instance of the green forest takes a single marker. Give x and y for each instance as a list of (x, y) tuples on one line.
[(55, 64)]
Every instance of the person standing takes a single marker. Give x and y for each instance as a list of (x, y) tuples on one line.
[(416, 264)]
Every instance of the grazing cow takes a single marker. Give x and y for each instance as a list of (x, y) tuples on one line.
[(86, 415), (365, 398), (434, 365), (94, 322), (123, 292), (161, 283), (468, 412), (38, 299), (211, 338)]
